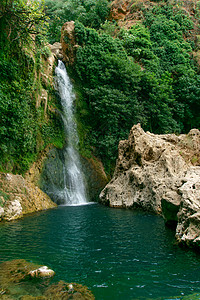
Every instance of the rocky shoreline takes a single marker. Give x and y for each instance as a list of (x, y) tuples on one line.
[(19, 197), (161, 174)]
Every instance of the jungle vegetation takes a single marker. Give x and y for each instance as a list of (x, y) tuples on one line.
[(148, 73)]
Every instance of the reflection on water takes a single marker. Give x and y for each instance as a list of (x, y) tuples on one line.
[(118, 254)]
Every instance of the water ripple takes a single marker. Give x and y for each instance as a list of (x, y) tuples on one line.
[(119, 254)]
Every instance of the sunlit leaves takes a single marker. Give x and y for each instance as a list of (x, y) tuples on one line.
[(20, 20)]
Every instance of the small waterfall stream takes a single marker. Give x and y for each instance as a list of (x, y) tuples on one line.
[(73, 192)]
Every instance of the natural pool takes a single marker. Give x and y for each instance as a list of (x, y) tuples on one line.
[(118, 254)]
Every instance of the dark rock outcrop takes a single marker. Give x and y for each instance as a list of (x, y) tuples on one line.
[(52, 179), (160, 173)]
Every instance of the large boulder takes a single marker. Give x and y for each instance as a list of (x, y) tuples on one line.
[(159, 173), (188, 228)]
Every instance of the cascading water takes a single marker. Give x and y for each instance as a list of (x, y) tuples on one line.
[(73, 190)]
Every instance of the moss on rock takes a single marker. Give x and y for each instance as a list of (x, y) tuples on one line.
[(16, 283)]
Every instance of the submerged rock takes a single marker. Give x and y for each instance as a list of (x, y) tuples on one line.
[(161, 174), (63, 290), (16, 283), (15, 271)]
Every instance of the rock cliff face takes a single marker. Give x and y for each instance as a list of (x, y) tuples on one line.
[(68, 42), (161, 174), (19, 197), (126, 13), (52, 179)]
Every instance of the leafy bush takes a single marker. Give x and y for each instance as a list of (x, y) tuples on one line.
[(18, 129), (144, 74), (169, 27), (110, 79)]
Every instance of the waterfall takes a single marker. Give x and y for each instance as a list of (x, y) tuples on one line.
[(73, 190)]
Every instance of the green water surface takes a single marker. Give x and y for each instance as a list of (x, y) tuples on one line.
[(118, 254)]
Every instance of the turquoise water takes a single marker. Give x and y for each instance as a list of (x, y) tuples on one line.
[(118, 254)]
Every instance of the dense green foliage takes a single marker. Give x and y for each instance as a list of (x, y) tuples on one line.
[(91, 13), (146, 74), (170, 30), (24, 127), (19, 20), (110, 80)]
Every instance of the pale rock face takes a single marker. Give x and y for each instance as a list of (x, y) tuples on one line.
[(56, 49), (154, 172), (23, 197), (42, 272), (188, 228), (13, 209), (1, 212), (147, 168), (8, 176)]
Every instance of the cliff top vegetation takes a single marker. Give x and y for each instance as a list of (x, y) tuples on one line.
[(136, 61)]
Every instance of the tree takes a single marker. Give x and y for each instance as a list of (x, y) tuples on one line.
[(91, 13), (20, 20)]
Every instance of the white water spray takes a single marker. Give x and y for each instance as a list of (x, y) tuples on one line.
[(73, 192)]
